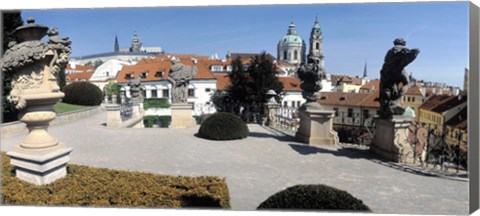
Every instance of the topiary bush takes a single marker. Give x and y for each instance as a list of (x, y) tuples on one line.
[(313, 197), (223, 126), (82, 93)]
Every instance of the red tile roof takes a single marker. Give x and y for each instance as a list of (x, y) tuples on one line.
[(373, 84), (414, 90), (290, 83), (442, 103), (81, 68), (459, 121), (82, 76), (341, 98), (162, 64), (222, 81)]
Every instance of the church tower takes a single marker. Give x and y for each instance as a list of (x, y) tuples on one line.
[(316, 39), (136, 43), (116, 47)]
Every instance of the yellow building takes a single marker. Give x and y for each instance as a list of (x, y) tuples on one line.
[(413, 98), (439, 109)]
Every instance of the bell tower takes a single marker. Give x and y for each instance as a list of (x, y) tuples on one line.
[(316, 39)]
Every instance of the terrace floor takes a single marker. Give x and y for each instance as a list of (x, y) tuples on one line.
[(259, 166)]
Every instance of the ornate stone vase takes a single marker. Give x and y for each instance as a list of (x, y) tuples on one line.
[(34, 65)]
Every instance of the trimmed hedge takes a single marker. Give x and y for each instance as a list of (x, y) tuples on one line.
[(313, 197), (223, 126), (86, 186), (82, 93), (149, 120), (156, 103)]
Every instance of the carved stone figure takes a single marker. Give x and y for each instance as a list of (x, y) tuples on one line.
[(311, 75), (135, 88), (394, 79), (180, 75)]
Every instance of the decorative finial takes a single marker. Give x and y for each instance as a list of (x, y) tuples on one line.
[(31, 20)]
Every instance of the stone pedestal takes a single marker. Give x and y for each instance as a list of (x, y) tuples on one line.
[(182, 116), (114, 118), (40, 166), (271, 110), (391, 139), (316, 126)]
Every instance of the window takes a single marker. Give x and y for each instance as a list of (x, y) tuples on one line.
[(106, 73), (285, 104), (143, 75), (216, 68), (408, 99), (208, 90), (165, 93), (128, 76), (350, 113), (154, 93), (317, 45), (295, 55), (159, 74), (336, 111), (285, 55), (299, 103), (191, 92), (366, 114), (144, 93), (413, 99)]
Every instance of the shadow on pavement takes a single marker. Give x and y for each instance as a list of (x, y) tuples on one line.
[(341, 152), (282, 137)]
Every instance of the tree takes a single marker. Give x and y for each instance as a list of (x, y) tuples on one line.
[(97, 63), (263, 77), (11, 20), (239, 89), (61, 79)]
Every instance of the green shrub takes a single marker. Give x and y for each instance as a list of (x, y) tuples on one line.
[(149, 120), (313, 197), (223, 126), (156, 103), (87, 186), (82, 93)]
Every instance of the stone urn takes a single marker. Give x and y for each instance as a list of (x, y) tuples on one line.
[(34, 65)]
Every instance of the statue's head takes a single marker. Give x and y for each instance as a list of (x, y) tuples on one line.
[(400, 41), (174, 60)]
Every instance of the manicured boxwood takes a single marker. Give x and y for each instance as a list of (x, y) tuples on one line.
[(156, 103), (313, 197), (86, 186), (82, 93), (223, 126), (149, 120)]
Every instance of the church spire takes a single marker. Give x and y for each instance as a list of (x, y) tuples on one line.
[(365, 70), (116, 47)]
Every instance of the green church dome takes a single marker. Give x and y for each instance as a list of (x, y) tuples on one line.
[(291, 39)]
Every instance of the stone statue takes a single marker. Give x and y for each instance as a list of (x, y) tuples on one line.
[(311, 75), (135, 88), (180, 75), (394, 79)]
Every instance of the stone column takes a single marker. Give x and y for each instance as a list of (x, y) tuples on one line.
[(316, 126), (182, 115), (40, 158), (391, 139)]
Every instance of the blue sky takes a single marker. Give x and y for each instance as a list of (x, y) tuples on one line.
[(353, 33)]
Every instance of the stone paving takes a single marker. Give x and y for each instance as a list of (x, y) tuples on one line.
[(258, 166)]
